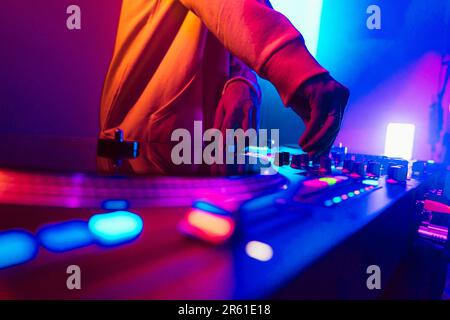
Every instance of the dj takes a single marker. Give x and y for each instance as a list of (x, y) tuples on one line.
[(176, 62)]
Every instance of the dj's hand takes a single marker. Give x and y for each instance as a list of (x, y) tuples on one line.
[(238, 108), (320, 102)]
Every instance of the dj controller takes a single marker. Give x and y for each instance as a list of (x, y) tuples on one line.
[(306, 229)]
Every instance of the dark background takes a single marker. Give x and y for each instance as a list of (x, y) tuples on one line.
[(51, 78)]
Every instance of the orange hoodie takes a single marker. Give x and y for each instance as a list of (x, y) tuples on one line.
[(172, 60)]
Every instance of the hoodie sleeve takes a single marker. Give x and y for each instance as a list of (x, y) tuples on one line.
[(241, 72), (262, 38)]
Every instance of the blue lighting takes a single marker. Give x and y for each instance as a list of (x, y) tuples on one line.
[(370, 183), (65, 236), (306, 15), (115, 205), (208, 207), (16, 247), (115, 228), (328, 203)]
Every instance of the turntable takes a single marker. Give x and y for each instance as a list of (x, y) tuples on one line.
[(139, 227)]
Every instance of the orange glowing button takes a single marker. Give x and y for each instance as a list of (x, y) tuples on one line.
[(209, 227)]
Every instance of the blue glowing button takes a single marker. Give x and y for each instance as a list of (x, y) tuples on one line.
[(115, 205), (16, 247), (328, 203), (65, 236), (209, 207), (116, 228), (373, 183)]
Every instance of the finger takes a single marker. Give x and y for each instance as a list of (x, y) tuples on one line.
[(301, 107), (320, 108), (325, 152), (220, 114), (247, 122), (324, 136), (327, 134)]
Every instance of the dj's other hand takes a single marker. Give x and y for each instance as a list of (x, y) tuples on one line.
[(320, 102), (238, 108)]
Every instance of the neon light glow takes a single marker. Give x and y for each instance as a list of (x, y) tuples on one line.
[(258, 150), (399, 140), (207, 226), (65, 236), (259, 251), (337, 200), (306, 16), (208, 207), (373, 183), (116, 228), (351, 194), (16, 247), (315, 184), (328, 203), (329, 181), (115, 205)]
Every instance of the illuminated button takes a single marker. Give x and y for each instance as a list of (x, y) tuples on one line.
[(351, 194), (344, 197), (116, 227), (206, 226), (259, 251), (16, 247), (65, 236), (362, 190), (115, 205), (357, 192), (370, 183), (317, 184), (208, 207), (329, 181), (328, 203), (337, 200)]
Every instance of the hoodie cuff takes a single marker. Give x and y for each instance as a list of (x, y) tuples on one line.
[(290, 67), (253, 86)]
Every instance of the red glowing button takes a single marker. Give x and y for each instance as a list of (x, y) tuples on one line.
[(209, 227), (317, 184)]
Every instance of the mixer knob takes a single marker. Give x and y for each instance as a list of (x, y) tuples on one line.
[(282, 159), (359, 169), (398, 173), (374, 169), (418, 168), (325, 164), (337, 157), (300, 161), (348, 166)]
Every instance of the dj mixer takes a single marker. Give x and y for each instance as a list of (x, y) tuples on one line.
[(139, 228)]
